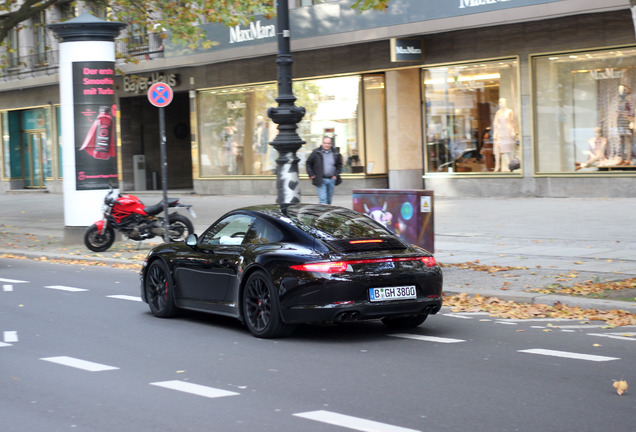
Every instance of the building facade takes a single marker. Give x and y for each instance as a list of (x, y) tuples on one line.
[(463, 97)]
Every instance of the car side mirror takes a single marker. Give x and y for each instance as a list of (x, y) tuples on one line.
[(192, 240)]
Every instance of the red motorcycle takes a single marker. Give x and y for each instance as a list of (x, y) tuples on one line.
[(128, 215)]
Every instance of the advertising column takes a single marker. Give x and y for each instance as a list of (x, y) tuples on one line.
[(88, 112)]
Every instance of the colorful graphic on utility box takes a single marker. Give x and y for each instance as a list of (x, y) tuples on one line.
[(94, 113), (408, 213)]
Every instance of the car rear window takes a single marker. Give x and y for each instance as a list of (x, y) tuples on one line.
[(344, 229)]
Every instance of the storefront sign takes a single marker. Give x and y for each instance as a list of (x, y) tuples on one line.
[(406, 50), (94, 113), (141, 84), (255, 31), (607, 73)]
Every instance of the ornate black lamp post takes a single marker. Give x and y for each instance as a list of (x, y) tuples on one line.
[(286, 115)]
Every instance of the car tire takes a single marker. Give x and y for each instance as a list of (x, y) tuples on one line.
[(180, 227), (261, 310), (99, 242), (159, 290), (404, 322)]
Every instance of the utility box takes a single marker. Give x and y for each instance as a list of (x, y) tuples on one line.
[(408, 213), (139, 172)]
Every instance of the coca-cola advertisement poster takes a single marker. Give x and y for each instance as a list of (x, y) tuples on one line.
[(94, 113)]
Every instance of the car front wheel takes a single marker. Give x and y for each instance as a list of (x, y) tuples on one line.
[(260, 308), (160, 290)]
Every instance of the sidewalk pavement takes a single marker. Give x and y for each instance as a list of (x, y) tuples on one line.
[(539, 241)]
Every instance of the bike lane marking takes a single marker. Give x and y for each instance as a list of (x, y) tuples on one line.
[(350, 422), (79, 364), (566, 354), (195, 389)]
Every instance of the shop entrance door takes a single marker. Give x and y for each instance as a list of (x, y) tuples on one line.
[(34, 160)]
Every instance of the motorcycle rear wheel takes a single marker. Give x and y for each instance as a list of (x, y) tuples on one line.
[(99, 242), (180, 227)]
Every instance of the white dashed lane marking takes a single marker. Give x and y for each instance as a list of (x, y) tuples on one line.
[(426, 338), (620, 336), (65, 288), (79, 364), (195, 389), (125, 297), (350, 422), (8, 286), (10, 336), (565, 354)]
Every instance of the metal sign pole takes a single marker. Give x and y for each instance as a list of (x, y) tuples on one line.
[(160, 95), (164, 172)]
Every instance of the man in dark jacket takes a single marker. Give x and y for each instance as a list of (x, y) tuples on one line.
[(324, 166)]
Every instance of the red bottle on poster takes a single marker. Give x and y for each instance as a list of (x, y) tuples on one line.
[(100, 140)]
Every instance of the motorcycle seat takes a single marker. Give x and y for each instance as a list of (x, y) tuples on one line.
[(158, 208)]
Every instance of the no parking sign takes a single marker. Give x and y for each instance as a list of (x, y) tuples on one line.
[(160, 94)]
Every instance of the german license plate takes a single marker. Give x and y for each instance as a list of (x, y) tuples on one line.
[(392, 293)]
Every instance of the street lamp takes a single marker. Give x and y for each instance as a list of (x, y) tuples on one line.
[(286, 115)]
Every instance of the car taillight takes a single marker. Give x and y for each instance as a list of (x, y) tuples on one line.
[(341, 266), (429, 261), (322, 267)]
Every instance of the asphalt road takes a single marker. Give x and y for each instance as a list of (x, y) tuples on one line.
[(80, 352)]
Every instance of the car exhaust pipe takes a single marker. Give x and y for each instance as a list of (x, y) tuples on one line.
[(347, 317)]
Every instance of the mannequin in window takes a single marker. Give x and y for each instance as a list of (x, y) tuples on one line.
[(596, 151), (504, 136), (625, 123)]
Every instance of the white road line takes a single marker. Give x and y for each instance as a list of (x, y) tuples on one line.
[(125, 297), (194, 389), (566, 354), (426, 338), (583, 326), (457, 316), (79, 364), (10, 336), (2, 344), (12, 280), (614, 336), (351, 422), (506, 322), (65, 288)]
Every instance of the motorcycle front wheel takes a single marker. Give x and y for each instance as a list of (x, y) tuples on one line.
[(99, 242), (179, 227)]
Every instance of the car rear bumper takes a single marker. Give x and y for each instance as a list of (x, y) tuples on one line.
[(352, 311)]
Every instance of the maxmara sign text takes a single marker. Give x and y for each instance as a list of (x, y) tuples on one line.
[(255, 31), (475, 3)]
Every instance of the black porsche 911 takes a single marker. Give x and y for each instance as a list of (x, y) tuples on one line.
[(274, 266)]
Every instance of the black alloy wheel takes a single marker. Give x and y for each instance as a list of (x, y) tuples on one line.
[(99, 242), (160, 290), (260, 308), (404, 322), (180, 227)]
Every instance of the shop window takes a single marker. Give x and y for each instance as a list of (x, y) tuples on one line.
[(472, 117), (235, 130), (584, 111), (6, 145)]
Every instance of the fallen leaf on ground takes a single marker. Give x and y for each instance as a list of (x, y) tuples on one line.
[(620, 386)]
